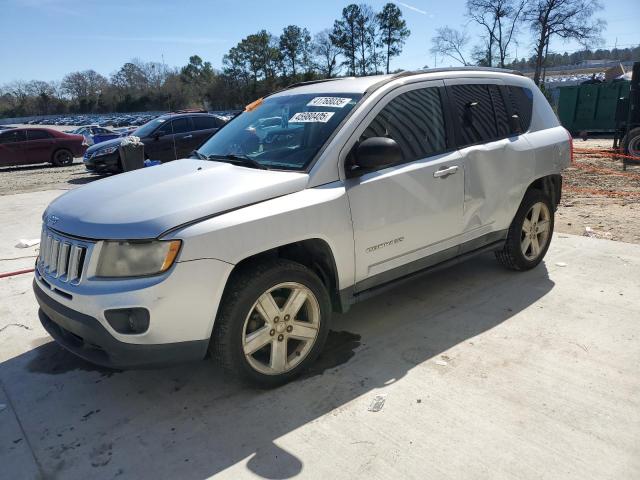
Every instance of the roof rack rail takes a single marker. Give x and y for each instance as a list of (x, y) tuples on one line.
[(311, 82), (190, 110), (410, 73)]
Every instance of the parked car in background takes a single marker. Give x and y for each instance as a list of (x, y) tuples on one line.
[(165, 138), (23, 146), (94, 134)]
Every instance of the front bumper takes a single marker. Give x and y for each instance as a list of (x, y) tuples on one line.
[(110, 162), (87, 338)]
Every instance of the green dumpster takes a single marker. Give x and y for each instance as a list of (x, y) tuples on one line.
[(591, 107)]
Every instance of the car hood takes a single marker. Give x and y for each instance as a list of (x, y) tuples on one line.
[(146, 203), (106, 143)]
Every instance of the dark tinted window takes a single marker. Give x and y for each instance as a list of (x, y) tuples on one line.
[(13, 136), (500, 110), (38, 134), (521, 104), (181, 125), (204, 123), (415, 121), (474, 113)]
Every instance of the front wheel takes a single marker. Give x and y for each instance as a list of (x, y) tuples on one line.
[(273, 322), (529, 234)]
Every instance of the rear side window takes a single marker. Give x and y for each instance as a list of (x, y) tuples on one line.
[(181, 125), (474, 114), (415, 121), (521, 100), (37, 135), (204, 123)]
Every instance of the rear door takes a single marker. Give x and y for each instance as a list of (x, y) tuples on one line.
[(12, 147), (203, 127), (39, 147), (494, 156)]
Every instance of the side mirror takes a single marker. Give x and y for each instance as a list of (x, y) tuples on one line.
[(377, 152), (514, 124)]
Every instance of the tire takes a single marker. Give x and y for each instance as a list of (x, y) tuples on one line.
[(631, 143), (519, 252), (62, 158), (242, 323)]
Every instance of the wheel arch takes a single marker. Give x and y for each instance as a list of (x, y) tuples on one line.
[(549, 184), (313, 253)]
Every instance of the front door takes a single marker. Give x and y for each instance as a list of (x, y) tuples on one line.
[(407, 216)]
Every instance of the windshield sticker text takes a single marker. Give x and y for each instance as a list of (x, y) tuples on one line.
[(337, 102), (311, 117)]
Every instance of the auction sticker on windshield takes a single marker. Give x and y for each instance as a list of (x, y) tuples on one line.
[(337, 102), (311, 117)]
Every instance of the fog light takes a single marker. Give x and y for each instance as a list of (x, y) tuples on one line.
[(128, 320)]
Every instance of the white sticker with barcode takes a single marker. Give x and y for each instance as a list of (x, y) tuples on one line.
[(311, 117), (337, 102)]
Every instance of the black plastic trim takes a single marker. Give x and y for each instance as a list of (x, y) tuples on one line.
[(423, 266)]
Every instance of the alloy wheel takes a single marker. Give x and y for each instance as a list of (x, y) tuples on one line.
[(536, 229), (281, 328)]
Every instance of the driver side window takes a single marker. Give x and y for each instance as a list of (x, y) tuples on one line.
[(415, 120)]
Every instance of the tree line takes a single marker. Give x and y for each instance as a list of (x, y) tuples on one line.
[(362, 41)]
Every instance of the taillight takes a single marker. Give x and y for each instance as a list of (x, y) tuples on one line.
[(570, 145)]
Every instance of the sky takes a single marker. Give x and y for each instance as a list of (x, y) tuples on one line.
[(46, 39)]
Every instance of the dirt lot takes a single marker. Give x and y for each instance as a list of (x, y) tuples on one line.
[(597, 194), (600, 196)]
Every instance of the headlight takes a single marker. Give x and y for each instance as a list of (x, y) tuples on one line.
[(136, 258), (106, 151)]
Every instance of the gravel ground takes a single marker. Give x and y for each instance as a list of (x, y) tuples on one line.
[(600, 199)]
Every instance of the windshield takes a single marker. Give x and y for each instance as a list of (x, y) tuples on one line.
[(284, 132), (148, 128)]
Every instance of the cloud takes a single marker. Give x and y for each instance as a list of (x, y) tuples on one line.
[(411, 7)]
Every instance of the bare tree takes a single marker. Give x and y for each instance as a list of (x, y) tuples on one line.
[(567, 19), (499, 20), (327, 53), (450, 42)]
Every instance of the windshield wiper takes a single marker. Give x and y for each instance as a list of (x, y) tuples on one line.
[(198, 155), (238, 160)]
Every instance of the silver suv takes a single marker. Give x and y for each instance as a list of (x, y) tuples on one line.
[(313, 199)]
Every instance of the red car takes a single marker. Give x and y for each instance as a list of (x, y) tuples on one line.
[(22, 146)]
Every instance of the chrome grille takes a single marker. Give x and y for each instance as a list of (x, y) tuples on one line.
[(61, 257)]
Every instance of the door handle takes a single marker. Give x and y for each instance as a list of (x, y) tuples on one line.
[(445, 171), (187, 136)]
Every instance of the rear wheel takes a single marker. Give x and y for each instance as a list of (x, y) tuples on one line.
[(631, 143), (62, 158), (272, 324), (529, 234)]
